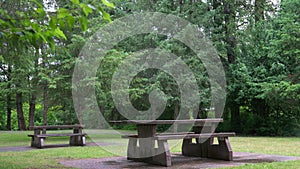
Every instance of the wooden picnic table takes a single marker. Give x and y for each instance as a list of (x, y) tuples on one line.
[(77, 138), (141, 146)]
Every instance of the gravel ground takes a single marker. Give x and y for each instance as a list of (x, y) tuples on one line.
[(178, 162)]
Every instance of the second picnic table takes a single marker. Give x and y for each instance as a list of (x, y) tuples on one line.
[(77, 138), (141, 146)]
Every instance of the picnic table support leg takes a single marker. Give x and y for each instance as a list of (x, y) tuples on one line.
[(77, 140), (222, 151), (132, 149), (37, 142), (204, 147), (162, 154), (146, 151), (195, 149), (146, 142), (73, 140), (32, 142)]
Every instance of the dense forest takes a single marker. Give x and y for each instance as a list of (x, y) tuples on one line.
[(258, 42)]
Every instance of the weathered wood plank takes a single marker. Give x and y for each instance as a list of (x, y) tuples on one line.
[(56, 127), (189, 136), (193, 121), (175, 133), (57, 135), (136, 136)]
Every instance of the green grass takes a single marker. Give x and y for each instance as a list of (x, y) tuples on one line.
[(267, 145), (289, 146), (48, 158), (8, 138), (275, 165), (20, 138)]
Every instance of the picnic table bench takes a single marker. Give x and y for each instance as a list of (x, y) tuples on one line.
[(141, 146), (77, 138)]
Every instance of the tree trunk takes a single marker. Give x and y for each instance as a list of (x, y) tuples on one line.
[(217, 21), (8, 109), (176, 113), (235, 117), (102, 111), (32, 99), (230, 30), (45, 104), (79, 112), (180, 3), (32, 109), (20, 113), (259, 8), (259, 107), (8, 100), (230, 40)]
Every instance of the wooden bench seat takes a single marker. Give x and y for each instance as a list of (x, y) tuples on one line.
[(57, 135), (176, 136), (184, 135)]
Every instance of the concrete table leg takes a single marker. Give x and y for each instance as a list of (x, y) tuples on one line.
[(222, 151), (37, 142), (146, 151)]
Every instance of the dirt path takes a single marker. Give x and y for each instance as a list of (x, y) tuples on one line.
[(178, 162), (27, 148)]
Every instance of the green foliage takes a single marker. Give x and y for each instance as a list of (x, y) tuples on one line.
[(262, 83), (31, 63), (287, 39), (105, 2), (264, 78), (150, 79), (283, 100), (26, 29)]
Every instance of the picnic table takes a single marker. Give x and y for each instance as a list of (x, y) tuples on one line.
[(77, 138), (141, 146)]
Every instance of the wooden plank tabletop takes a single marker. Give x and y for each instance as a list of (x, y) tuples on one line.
[(57, 127), (192, 121)]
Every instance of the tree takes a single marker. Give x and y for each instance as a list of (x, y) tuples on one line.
[(259, 10), (26, 30)]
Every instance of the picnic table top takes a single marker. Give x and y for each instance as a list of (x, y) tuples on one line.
[(56, 127), (188, 121)]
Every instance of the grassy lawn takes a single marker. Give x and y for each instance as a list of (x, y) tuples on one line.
[(48, 158), (268, 145)]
